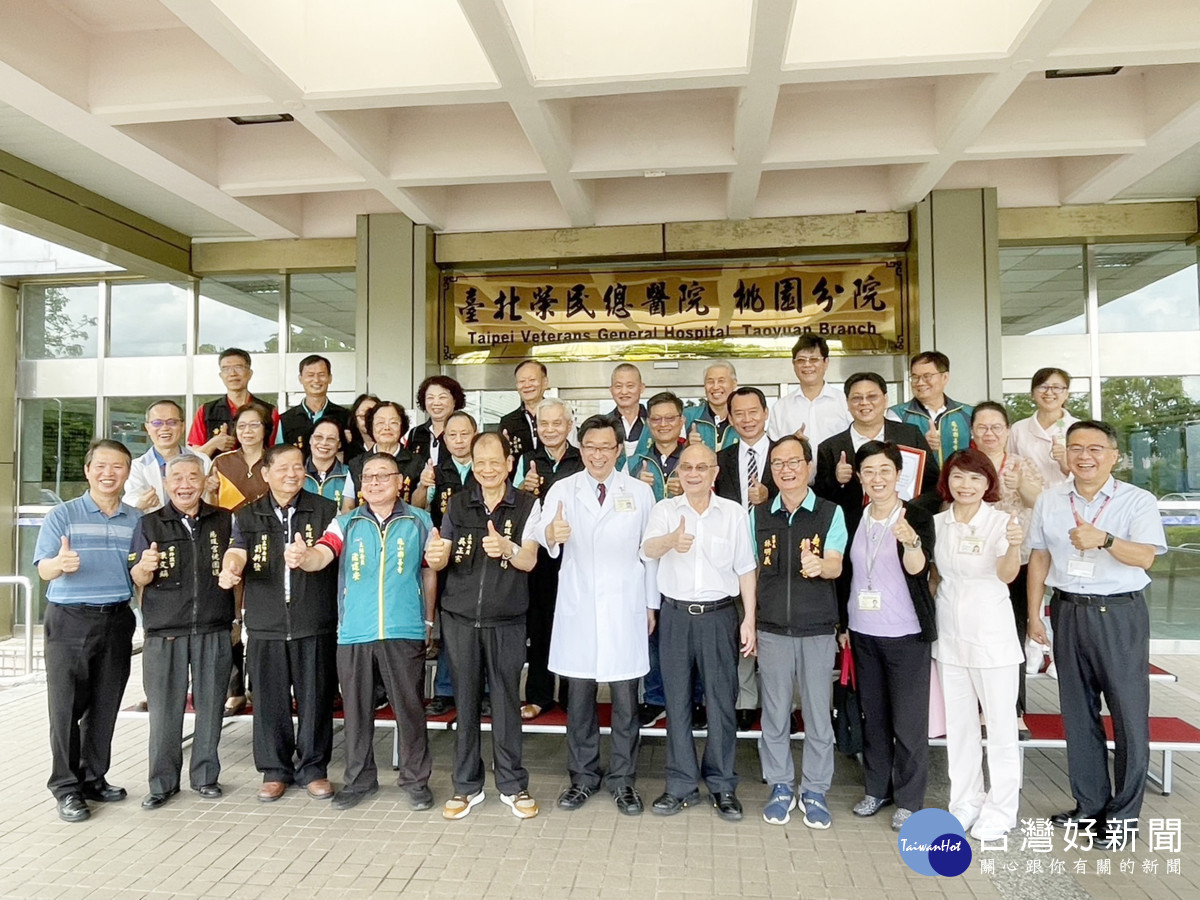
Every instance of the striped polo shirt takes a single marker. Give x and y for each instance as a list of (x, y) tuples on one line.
[(102, 542)]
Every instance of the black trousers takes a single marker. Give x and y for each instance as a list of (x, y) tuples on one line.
[(237, 672), (893, 688), (87, 652), (293, 753), (539, 620), (710, 642), (1020, 605), (402, 667), (1104, 651), (501, 649), (166, 663), (583, 734)]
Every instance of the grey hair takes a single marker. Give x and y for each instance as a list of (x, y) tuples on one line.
[(550, 403), (184, 459), (721, 364)]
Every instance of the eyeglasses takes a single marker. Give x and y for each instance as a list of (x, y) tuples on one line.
[(598, 448), (778, 465), (233, 370), (248, 426), (663, 420), (688, 468), (323, 441), (925, 378), (1051, 388), (376, 479), (808, 360), (1093, 450), (864, 398), (165, 423), (991, 429)]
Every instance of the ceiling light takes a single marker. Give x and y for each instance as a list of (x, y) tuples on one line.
[(1083, 73), (268, 119)]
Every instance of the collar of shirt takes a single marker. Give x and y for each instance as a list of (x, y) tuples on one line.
[(1106, 490), (314, 416), (761, 448), (91, 506), (857, 440), (827, 392), (808, 504), (464, 469), (594, 484)]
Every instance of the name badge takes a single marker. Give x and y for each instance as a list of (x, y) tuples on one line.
[(870, 600), (971, 545), (1081, 568), (624, 503)]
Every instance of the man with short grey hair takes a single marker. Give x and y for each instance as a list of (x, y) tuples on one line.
[(708, 423)]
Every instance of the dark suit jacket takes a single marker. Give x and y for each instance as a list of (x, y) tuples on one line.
[(729, 479), (850, 496)]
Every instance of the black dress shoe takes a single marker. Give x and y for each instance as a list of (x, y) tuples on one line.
[(628, 801), (727, 805), (154, 801), (649, 713), (71, 808), (1074, 817), (699, 717), (103, 792), (346, 799), (746, 719), (669, 804), (574, 796), (209, 791), (439, 706)]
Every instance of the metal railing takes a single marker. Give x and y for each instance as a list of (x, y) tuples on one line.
[(24, 584)]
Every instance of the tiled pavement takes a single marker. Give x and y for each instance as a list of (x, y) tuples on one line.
[(238, 847)]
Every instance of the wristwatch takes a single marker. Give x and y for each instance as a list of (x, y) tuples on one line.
[(1108, 541)]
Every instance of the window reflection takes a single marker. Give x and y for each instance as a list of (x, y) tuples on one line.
[(1043, 290), (148, 319), (55, 435), (59, 321), (1147, 287), (321, 312), (240, 311)]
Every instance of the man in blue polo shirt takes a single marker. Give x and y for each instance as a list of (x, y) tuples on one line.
[(82, 551)]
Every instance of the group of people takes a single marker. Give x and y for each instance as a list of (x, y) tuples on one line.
[(701, 561)]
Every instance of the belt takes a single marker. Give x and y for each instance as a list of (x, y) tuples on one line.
[(95, 607), (699, 609), (1100, 600)]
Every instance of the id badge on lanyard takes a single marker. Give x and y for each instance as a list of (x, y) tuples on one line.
[(869, 599)]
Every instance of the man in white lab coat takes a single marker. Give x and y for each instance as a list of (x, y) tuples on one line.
[(606, 609)]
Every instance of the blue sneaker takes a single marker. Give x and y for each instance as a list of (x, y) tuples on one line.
[(816, 813), (782, 802)]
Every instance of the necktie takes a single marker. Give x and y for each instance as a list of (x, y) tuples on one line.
[(601, 492), (751, 471)]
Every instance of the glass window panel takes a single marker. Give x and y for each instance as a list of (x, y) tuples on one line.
[(240, 311), (55, 435), (148, 319), (28, 526), (127, 420), (1147, 287), (59, 321), (1043, 290), (322, 312)]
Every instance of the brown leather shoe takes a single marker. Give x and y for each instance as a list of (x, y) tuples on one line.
[(271, 790), (320, 789)]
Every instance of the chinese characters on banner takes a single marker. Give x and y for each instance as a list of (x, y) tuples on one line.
[(861, 304)]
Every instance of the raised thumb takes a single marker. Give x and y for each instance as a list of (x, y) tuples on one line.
[(1078, 521), (533, 467), (682, 525), (435, 535), (65, 543), (843, 458), (154, 546), (559, 514), (224, 429), (903, 512), (297, 539), (806, 546), (491, 528)]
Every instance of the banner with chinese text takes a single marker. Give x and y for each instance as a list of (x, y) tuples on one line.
[(860, 304)]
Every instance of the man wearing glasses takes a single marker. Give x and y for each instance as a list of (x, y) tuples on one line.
[(385, 618), (164, 425), (814, 409), (945, 423), (212, 430), (1092, 542), (705, 565), (656, 464), (604, 612)]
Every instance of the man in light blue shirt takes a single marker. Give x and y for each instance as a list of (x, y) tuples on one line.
[(1092, 542)]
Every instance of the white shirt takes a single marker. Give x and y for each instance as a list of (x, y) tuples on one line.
[(857, 439), (822, 417), (144, 472), (975, 622), (761, 452), (719, 554), (1029, 439)]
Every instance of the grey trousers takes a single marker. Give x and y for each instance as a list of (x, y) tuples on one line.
[(165, 665), (783, 662), (583, 734), (747, 697)]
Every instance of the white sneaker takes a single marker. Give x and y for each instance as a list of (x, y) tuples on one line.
[(966, 815), (459, 805), (522, 805)]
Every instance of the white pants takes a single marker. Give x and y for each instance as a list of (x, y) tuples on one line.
[(995, 690)]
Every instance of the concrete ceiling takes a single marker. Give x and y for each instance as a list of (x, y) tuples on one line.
[(508, 114)]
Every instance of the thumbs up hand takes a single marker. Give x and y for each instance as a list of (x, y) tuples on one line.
[(1086, 536), (223, 439), (934, 438), (559, 531), (293, 553), (902, 531), (810, 563), (683, 540), (228, 579), (799, 432), (645, 475), (493, 543), (1010, 476), (437, 551), (68, 559), (150, 559), (757, 492), (428, 476), (533, 481), (1014, 533), (694, 435), (844, 471), (674, 485)]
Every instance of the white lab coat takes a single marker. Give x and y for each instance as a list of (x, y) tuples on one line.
[(144, 473), (604, 586)]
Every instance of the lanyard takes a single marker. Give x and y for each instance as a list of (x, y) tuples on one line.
[(874, 546), (1103, 506)]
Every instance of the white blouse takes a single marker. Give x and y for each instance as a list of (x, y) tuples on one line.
[(1029, 439), (975, 622)]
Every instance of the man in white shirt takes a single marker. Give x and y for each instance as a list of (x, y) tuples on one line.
[(702, 542), (164, 425), (814, 409)]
